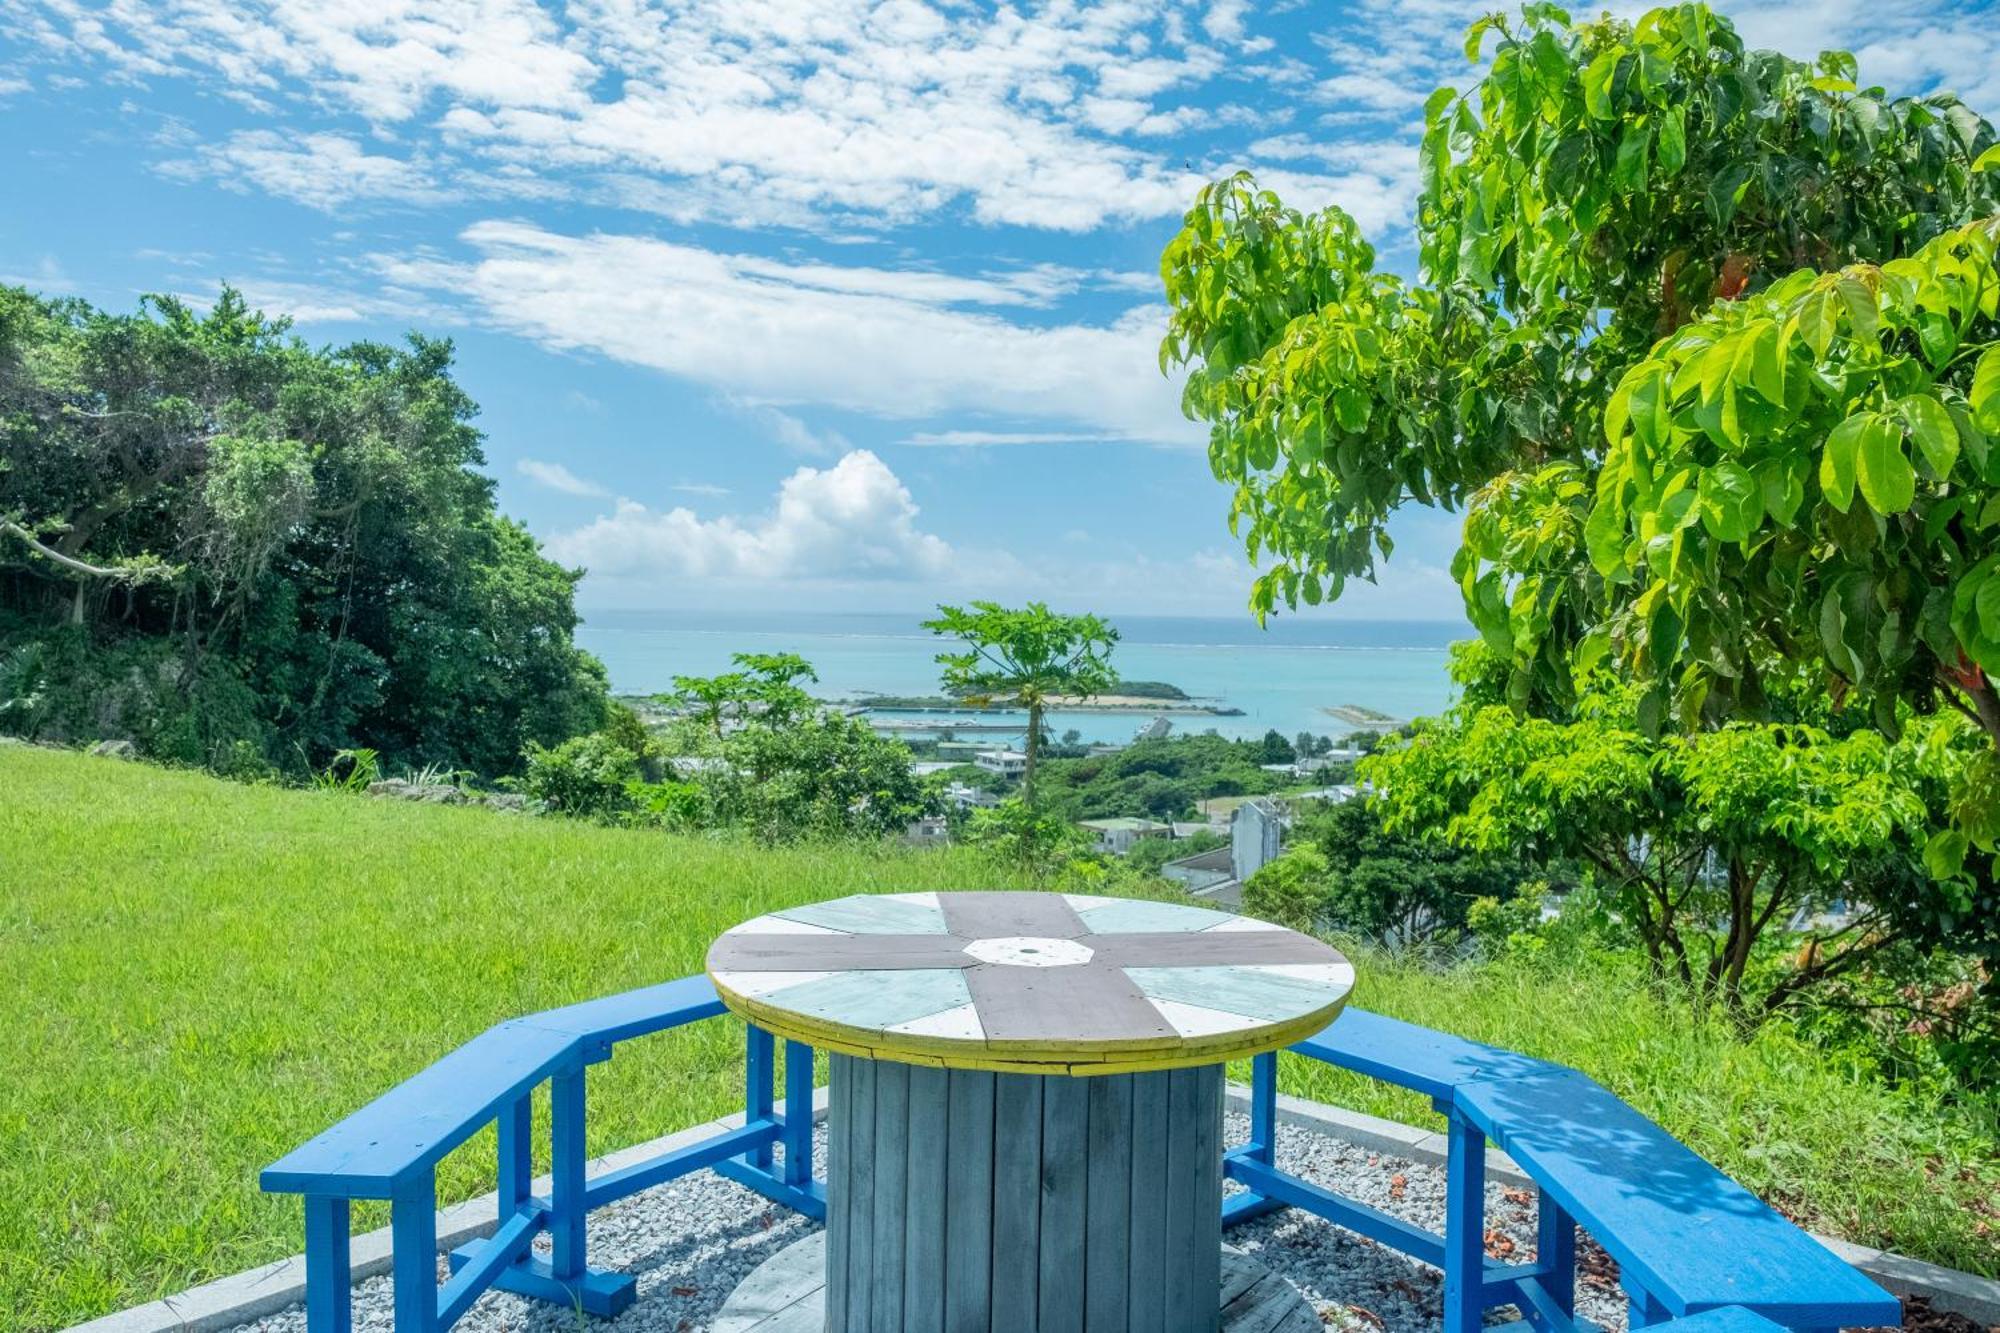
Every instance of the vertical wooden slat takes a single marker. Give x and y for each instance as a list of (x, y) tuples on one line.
[(924, 1226), (1017, 1198), (839, 1197), (1147, 1297), (1205, 1231), (1065, 1184), (861, 1188), (1108, 1224), (1183, 1110), (969, 1204), (329, 1279), (892, 1165)]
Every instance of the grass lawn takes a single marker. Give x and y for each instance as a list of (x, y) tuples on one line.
[(199, 975)]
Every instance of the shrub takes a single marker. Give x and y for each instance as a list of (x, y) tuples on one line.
[(587, 776)]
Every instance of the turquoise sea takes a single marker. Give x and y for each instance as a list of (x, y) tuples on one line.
[(1282, 676)]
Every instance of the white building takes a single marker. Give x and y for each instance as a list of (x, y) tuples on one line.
[(1007, 763)]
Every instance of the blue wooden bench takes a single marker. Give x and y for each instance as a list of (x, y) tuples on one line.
[(1689, 1241), (390, 1149), (1693, 1247)]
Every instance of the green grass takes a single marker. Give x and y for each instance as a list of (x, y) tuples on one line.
[(199, 975)]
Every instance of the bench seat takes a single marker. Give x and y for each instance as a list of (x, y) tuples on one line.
[(1431, 1062), (409, 1128), (1691, 1237)]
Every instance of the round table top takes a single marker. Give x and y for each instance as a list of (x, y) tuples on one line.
[(1028, 982)]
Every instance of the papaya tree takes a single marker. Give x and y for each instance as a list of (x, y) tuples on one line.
[(1027, 656)]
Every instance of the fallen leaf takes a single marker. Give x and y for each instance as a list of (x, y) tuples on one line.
[(1397, 1184)]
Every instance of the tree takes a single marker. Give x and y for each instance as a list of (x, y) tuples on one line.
[(220, 542), (1275, 749), (1689, 508), (1030, 656), (1708, 840), (1346, 872), (767, 684)]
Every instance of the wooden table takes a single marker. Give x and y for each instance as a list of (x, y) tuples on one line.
[(1025, 1127)]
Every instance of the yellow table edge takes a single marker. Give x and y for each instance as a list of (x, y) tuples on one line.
[(1078, 1059)]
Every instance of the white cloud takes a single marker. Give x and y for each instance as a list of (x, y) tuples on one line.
[(323, 171), (716, 111), (861, 340), (800, 438), (977, 439), (701, 488), (854, 520), (557, 478)]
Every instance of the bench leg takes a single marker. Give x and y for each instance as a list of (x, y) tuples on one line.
[(759, 1059), (563, 1278), (414, 1257), (329, 1281), (1464, 1227), (1644, 1308), (1263, 1145), (798, 1113), (1555, 1252)]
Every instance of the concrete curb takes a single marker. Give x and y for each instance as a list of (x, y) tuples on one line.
[(257, 1292), (1977, 1298)]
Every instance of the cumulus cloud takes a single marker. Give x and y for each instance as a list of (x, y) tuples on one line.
[(557, 478), (854, 520), (865, 340)]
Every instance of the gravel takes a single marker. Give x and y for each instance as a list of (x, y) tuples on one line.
[(690, 1242)]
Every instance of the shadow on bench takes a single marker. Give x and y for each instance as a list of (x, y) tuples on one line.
[(1688, 1239)]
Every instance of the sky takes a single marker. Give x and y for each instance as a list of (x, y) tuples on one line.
[(829, 306)]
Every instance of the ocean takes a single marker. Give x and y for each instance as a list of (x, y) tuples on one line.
[(1283, 676)]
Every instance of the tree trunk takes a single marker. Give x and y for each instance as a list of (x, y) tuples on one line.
[(1034, 751)]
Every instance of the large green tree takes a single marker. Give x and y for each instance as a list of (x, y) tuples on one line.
[(1656, 434), (233, 547)]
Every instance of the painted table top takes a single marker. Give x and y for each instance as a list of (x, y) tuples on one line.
[(1028, 982)]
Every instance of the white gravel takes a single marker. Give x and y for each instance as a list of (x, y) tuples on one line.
[(690, 1242)]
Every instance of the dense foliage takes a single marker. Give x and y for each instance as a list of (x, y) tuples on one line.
[(1346, 872), (1604, 185), (1707, 840), (239, 551), (1159, 778)]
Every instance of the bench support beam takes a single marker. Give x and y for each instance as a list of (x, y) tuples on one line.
[(329, 1280), (1464, 1227)]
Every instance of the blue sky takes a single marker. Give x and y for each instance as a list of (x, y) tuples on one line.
[(828, 306)]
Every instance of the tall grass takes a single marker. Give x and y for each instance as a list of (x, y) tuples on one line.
[(196, 976)]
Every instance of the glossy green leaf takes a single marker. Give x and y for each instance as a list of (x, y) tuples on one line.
[(1837, 460), (1673, 141), (1932, 430), (1732, 504), (1984, 396), (1882, 470)]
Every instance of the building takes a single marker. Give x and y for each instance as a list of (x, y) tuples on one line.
[(1116, 836), (1256, 836), (968, 797), (1007, 763)]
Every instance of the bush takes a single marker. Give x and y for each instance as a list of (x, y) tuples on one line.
[(1291, 890), (586, 776)]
